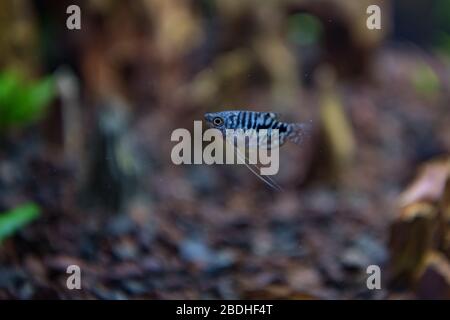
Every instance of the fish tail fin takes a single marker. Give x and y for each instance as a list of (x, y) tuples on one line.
[(299, 132)]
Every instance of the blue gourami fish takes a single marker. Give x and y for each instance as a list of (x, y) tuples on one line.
[(255, 121)]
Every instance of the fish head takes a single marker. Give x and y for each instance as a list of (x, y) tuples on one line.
[(222, 120), (209, 118)]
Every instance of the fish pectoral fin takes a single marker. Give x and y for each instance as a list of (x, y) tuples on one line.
[(266, 179)]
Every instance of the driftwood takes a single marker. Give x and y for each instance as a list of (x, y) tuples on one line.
[(419, 241)]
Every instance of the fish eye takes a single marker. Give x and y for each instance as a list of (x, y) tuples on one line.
[(217, 121)]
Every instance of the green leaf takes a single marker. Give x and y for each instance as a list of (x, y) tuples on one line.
[(8, 83), (15, 219), (9, 86), (22, 103), (32, 104)]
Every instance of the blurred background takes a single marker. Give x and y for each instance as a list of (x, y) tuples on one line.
[(86, 176)]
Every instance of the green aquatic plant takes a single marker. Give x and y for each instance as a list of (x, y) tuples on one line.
[(13, 220), (21, 102)]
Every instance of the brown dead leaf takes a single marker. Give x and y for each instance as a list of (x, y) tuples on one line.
[(429, 184)]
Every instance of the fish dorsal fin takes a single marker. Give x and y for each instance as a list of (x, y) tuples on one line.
[(274, 115)]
